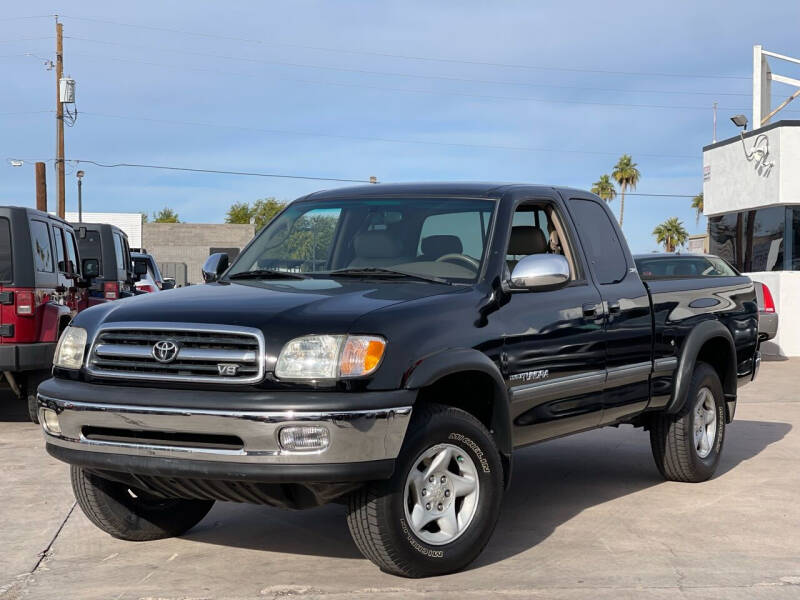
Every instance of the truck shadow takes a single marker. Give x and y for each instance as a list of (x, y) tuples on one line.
[(552, 483)]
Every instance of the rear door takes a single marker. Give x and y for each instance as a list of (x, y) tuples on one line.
[(628, 317), (554, 348)]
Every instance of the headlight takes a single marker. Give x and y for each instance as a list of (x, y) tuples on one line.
[(69, 351), (330, 356)]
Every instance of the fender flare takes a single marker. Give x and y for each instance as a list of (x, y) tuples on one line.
[(702, 333), (447, 362)]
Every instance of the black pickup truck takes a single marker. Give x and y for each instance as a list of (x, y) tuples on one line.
[(389, 347)]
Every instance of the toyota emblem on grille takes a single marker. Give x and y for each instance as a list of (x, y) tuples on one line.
[(165, 351)]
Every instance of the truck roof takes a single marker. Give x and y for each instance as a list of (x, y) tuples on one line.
[(480, 189), (32, 212)]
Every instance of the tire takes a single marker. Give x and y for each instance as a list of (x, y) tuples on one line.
[(680, 452), (33, 408), (114, 509), (458, 448)]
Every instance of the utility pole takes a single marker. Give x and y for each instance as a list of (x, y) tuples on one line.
[(61, 202), (41, 187)]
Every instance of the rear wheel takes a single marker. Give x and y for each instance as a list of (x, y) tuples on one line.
[(130, 514), (438, 511), (33, 408), (687, 446)]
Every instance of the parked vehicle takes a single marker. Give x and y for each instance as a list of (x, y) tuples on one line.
[(767, 315), (707, 265), (41, 288), (150, 279), (107, 244), (389, 347)]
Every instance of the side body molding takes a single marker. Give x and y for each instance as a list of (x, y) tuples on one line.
[(700, 334), (434, 367)]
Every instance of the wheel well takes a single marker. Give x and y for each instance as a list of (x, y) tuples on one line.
[(476, 393), (717, 353)]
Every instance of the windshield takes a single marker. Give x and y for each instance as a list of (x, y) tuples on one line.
[(442, 238), (684, 266)]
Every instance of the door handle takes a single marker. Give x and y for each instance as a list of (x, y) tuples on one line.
[(613, 307), (590, 310)]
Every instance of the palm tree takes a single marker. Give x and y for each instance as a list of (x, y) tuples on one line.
[(627, 176), (604, 188), (697, 205), (671, 234)]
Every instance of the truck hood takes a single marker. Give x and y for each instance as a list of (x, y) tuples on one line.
[(286, 306)]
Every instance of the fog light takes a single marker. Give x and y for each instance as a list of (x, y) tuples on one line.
[(304, 438), (49, 420)]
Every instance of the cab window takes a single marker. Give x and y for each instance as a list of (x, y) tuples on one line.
[(62, 264)]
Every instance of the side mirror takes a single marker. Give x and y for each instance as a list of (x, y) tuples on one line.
[(540, 272), (215, 266), (91, 268), (139, 267)]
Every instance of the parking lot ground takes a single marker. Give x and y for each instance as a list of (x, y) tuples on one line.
[(586, 517)]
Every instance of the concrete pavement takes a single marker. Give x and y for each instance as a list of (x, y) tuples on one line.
[(586, 517)]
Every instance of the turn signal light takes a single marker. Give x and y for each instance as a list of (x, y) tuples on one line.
[(361, 355), (26, 303)]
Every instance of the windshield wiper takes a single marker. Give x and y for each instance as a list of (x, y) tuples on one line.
[(386, 273), (267, 274)]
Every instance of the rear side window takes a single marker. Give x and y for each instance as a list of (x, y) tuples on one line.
[(42, 248), (62, 265), (120, 254), (600, 240), (6, 273), (72, 252)]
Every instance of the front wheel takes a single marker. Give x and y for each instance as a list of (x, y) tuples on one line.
[(687, 446), (130, 514), (438, 511)]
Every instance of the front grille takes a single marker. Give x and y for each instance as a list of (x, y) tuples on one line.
[(191, 353)]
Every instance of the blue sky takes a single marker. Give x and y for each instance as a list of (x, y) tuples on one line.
[(328, 89)]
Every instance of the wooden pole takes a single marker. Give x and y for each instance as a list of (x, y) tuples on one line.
[(61, 202), (41, 187)]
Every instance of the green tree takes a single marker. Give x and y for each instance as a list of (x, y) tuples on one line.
[(145, 218), (697, 205), (239, 212), (627, 176), (671, 234), (604, 188), (166, 215), (260, 212)]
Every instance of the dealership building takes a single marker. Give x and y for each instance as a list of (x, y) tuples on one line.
[(751, 190)]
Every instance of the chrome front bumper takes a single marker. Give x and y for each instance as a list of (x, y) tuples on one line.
[(354, 436)]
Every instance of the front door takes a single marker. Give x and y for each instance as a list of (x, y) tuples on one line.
[(554, 346)]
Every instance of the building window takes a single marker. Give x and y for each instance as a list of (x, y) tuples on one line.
[(751, 240)]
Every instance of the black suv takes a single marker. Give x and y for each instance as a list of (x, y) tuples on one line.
[(390, 347), (107, 244)]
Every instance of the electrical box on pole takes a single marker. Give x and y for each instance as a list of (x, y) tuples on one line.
[(66, 90)]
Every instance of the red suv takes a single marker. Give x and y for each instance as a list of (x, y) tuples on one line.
[(41, 289)]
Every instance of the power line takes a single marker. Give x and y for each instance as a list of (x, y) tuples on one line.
[(378, 139), (408, 57), (390, 73), (524, 98), (213, 171)]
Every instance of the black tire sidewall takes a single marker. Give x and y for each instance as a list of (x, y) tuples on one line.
[(475, 441), (705, 376)]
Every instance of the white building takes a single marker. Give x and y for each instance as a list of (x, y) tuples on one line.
[(130, 223), (751, 190)]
